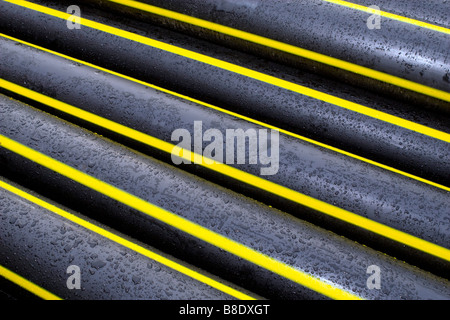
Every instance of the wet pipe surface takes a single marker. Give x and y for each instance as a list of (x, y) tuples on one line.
[(325, 190)]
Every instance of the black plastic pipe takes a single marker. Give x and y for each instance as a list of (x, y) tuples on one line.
[(312, 250), (398, 48), (434, 12), (48, 249)]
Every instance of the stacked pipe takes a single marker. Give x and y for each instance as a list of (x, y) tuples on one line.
[(91, 116)]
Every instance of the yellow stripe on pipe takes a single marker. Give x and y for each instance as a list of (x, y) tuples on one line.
[(126, 243), (26, 93), (180, 223), (273, 80), (392, 16), (239, 175), (27, 285), (304, 53)]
